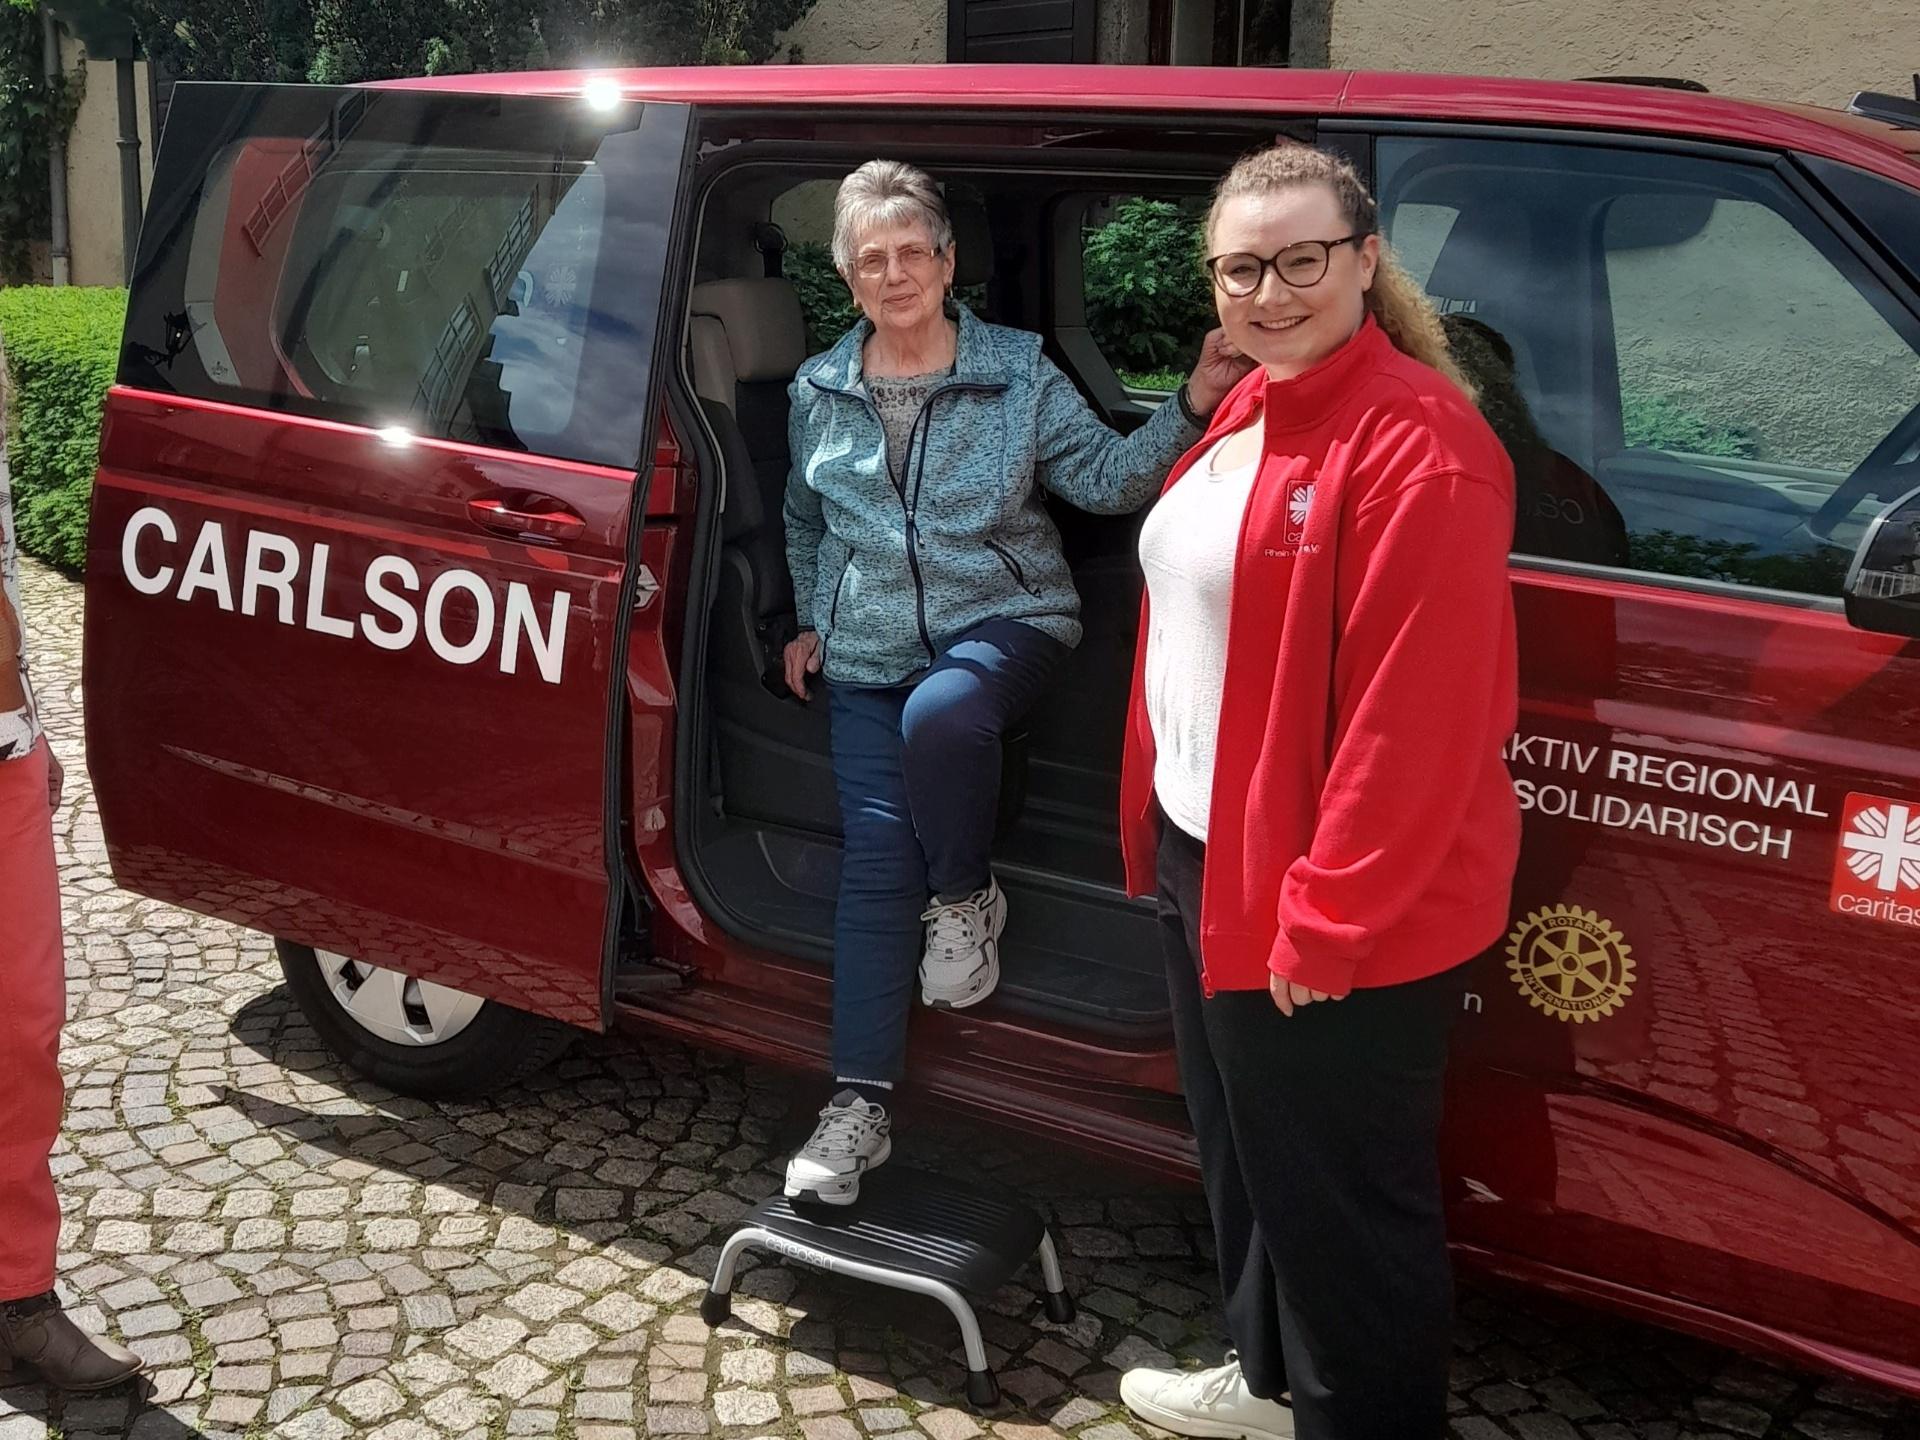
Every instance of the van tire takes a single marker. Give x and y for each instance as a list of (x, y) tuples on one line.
[(497, 1048)]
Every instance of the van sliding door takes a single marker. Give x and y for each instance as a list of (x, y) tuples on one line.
[(362, 517)]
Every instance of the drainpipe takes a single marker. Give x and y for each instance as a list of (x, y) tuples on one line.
[(62, 250), (129, 164)]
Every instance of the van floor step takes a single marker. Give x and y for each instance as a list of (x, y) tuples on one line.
[(1074, 950), (635, 982)]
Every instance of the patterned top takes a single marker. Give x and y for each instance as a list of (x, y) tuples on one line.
[(19, 730), (899, 399)]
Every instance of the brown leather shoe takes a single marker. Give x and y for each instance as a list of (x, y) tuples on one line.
[(37, 1334)]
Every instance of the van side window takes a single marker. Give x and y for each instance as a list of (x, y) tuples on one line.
[(412, 261), (458, 294), (1685, 362)]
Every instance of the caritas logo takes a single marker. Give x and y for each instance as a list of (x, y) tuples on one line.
[(1876, 867), (1299, 506)]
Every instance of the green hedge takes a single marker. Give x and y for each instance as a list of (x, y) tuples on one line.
[(61, 344)]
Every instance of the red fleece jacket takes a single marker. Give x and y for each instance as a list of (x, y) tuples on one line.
[(1364, 829)]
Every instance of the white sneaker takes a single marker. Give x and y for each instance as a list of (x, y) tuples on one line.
[(1205, 1402), (853, 1136), (961, 965)]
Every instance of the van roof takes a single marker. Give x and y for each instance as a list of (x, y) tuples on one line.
[(1871, 144)]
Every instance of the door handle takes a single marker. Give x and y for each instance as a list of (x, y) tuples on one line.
[(536, 517)]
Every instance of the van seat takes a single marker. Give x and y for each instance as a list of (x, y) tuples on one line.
[(747, 338)]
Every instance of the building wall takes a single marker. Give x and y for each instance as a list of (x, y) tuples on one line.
[(1806, 50), (886, 32), (93, 168), (872, 32), (1120, 32)]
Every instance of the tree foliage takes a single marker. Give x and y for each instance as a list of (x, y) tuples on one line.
[(346, 41), (1147, 299)]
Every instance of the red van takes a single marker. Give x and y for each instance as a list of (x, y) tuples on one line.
[(435, 599)]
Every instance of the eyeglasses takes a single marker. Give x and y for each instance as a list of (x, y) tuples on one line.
[(1300, 265), (873, 264)]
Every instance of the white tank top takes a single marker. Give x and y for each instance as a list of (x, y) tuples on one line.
[(1187, 549)]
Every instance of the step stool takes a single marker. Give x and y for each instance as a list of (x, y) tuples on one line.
[(910, 1231)]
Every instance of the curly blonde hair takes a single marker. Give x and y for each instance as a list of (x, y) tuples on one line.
[(1396, 301)]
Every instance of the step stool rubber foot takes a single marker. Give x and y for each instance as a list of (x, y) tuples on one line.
[(1060, 1307), (715, 1307), (983, 1391)]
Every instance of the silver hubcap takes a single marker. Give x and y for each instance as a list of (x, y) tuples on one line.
[(397, 1007)]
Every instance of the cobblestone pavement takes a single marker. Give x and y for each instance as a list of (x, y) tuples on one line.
[(300, 1253)]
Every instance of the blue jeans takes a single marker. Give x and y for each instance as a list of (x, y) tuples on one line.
[(918, 771)]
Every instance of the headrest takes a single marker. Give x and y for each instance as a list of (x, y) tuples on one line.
[(972, 241), (764, 327)]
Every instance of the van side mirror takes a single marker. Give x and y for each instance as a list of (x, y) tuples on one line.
[(1883, 583)]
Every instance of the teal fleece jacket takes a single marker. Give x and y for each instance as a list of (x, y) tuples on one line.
[(892, 574)]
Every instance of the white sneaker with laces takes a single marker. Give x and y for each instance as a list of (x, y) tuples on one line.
[(853, 1136), (1212, 1403), (961, 965)]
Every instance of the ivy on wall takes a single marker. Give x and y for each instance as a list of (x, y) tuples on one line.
[(30, 115)]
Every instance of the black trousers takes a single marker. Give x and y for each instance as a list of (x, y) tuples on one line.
[(1319, 1139)]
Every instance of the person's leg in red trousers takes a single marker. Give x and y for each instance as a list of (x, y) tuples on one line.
[(33, 978)]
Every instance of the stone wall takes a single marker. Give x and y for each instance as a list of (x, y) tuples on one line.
[(1807, 50), (869, 32)]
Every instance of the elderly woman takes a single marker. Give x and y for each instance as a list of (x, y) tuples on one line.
[(935, 598)]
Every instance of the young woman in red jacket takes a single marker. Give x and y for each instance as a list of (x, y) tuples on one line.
[(1313, 778)]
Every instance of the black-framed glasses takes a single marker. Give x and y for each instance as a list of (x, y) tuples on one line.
[(1301, 265)]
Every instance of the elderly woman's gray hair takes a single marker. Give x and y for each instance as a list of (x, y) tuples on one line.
[(886, 192)]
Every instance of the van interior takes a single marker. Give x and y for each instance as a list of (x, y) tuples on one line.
[(763, 847)]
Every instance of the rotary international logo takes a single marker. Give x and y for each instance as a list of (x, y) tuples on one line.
[(1571, 964)]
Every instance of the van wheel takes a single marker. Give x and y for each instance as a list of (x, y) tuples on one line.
[(413, 1036)]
